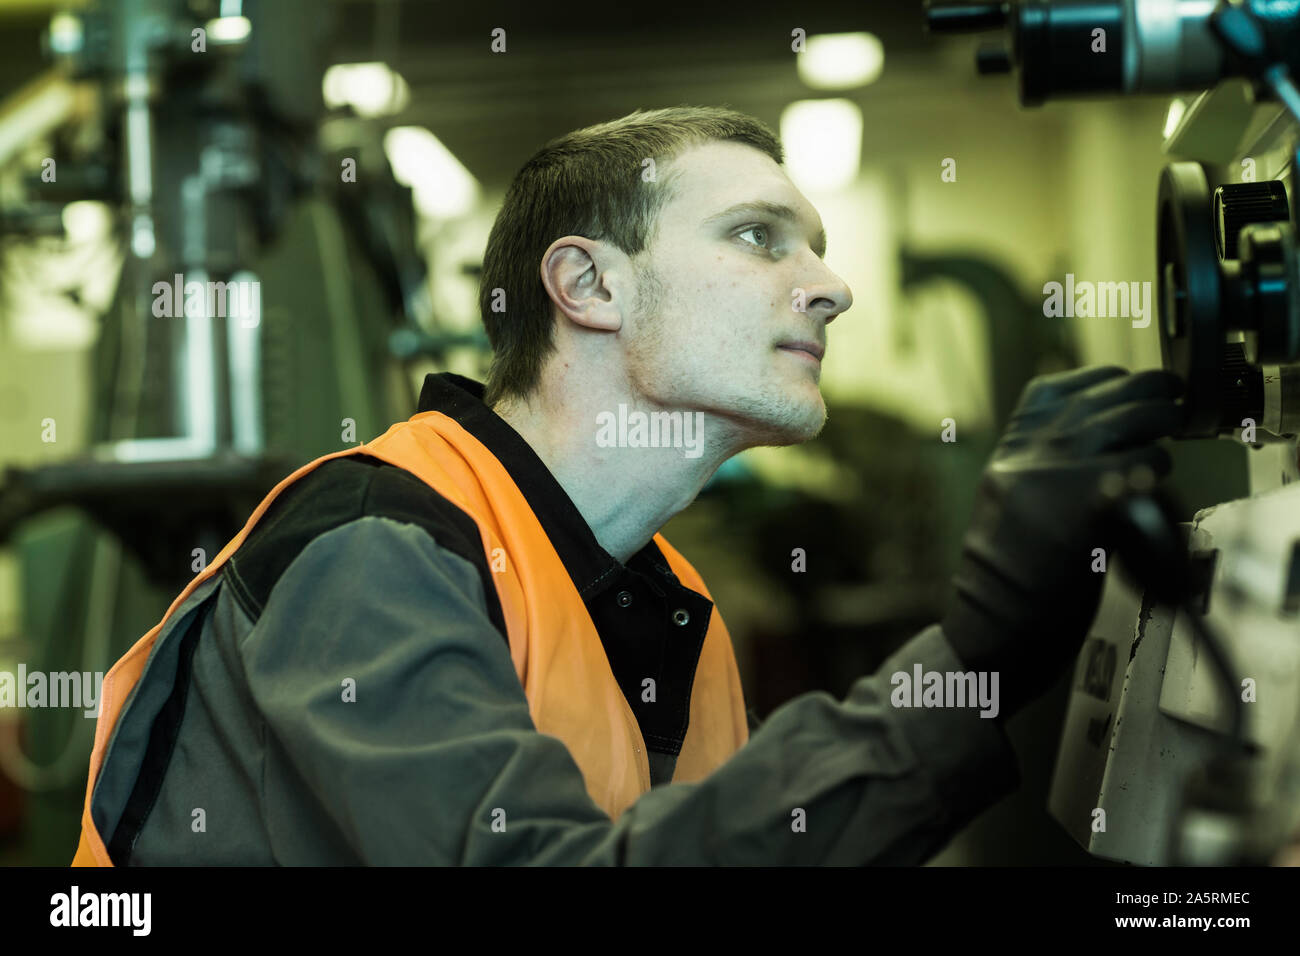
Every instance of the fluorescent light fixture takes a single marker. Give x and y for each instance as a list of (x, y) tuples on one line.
[(442, 187), (86, 220), (823, 143), (66, 34), (372, 89), (228, 29), (841, 61)]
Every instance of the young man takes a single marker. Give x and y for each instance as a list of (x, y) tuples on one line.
[(465, 641)]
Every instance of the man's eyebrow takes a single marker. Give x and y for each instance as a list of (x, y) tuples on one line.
[(776, 210)]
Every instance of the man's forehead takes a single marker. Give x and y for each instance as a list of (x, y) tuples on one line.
[(720, 174), (717, 179)]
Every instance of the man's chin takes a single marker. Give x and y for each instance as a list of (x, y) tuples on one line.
[(794, 429)]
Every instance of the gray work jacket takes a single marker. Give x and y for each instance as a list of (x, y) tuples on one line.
[(233, 748)]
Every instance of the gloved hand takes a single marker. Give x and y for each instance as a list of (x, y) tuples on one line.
[(1025, 593)]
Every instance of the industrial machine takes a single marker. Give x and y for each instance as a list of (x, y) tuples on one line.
[(1181, 743)]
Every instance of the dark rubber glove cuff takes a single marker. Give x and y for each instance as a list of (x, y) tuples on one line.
[(1006, 615)]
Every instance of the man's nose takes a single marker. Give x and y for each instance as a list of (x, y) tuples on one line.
[(828, 295)]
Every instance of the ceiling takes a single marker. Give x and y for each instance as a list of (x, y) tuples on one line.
[(577, 63), (571, 65)]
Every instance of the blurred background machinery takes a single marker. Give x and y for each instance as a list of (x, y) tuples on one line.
[(257, 312), (333, 167)]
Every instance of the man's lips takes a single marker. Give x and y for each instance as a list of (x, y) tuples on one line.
[(812, 348)]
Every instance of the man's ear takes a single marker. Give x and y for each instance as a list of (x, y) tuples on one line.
[(584, 280)]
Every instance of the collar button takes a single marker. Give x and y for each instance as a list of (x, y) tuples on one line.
[(624, 598), (681, 617)]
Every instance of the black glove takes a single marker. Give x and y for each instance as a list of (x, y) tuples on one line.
[(1025, 592)]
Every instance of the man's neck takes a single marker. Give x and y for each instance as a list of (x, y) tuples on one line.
[(598, 453)]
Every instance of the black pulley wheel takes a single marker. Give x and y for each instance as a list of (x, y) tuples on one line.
[(1190, 320)]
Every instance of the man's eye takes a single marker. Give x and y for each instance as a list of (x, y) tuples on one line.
[(759, 230)]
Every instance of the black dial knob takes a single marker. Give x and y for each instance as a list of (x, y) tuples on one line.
[(1242, 204)]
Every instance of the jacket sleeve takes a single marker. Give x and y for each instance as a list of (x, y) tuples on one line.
[(437, 742)]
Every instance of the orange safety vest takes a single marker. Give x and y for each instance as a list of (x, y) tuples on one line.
[(558, 655)]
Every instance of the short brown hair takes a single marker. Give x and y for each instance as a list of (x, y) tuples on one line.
[(585, 183)]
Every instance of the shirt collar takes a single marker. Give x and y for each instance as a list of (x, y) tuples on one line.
[(592, 568)]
